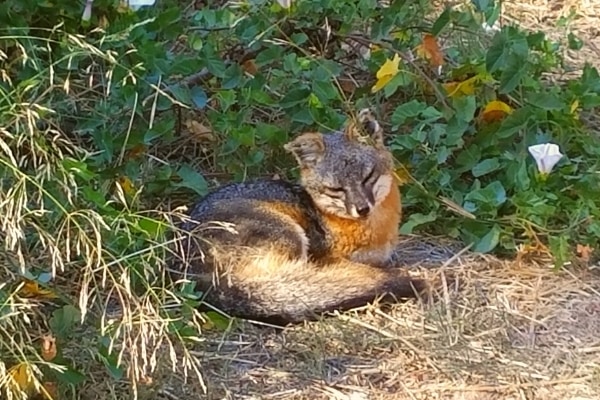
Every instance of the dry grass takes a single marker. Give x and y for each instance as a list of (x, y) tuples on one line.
[(491, 329)]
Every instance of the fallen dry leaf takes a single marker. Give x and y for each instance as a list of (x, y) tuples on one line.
[(51, 390), (198, 131), (32, 289), (48, 347), (429, 49), (584, 252), (250, 67)]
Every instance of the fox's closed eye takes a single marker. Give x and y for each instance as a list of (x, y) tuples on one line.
[(370, 178)]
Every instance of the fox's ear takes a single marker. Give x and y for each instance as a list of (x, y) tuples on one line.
[(308, 148), (367, 123)]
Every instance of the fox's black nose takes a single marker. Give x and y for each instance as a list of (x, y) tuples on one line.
[(363, 211)]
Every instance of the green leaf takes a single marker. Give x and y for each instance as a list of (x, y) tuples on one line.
[(442, 21), (232, 77), (64, 320), (69, 375), (244, 135), (590, 78), (465, 108), (443, 153), (517, 173), (488, 242), (402, 78), (415, 220), (509, 51), (304, 116), (406, 111), (485, 167), (497, 53), (546, 101), (182, 94), (199, 97), (299, 38), (483, 5), (515, 122), (492, 196), (295, 97), (44, 277), (110, 361), (94, 196), (271, 54), (191, 179), (325, 91), (78, 168), (511, 77), (150, 226), (227, 98), (574, 42), (211, 60), (468, 158), (220, 321), (270, 133), (559, 247), (455, 130), (196, 43)]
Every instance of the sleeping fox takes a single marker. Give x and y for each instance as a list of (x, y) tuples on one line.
[(282, 252)]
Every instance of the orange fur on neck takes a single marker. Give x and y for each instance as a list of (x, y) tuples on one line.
[(378, 232)]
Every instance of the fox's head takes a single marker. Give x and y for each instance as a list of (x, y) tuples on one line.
[(346, 173)]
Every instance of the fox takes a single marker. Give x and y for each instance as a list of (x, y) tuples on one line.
[(282, 252)]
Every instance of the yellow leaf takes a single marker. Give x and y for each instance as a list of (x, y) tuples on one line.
[(460, 89), (127, 185), (32, 289), (388, 70), (574, 108), (22, 378), (495, 111)]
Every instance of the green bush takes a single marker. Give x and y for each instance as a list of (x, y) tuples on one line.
[(107, 124)]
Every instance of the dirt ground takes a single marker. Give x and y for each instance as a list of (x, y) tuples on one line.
[(494, 330)]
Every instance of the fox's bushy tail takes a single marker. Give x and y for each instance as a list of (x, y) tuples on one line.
[(272, 288)]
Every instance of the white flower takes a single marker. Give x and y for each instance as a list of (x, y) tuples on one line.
[(87, 11), (546, 156), (285, 3), (491, 29), (137, 4)]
